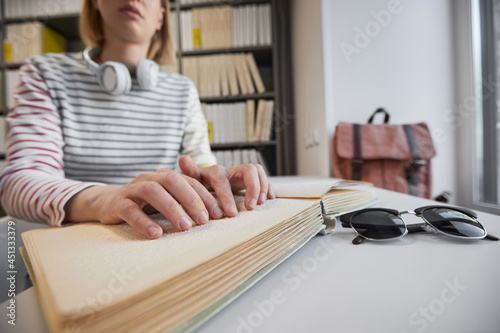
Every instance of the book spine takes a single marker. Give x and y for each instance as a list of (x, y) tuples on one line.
[(250, 119), (237, 157), (196, 28), (245, 156), (242, 133), (254, 71), (259, 120), (240, 73), (12, 80), (268, 122), (3, 134), (231, 72), (187, 30), (231, 157), (242, 62), (268, 24)]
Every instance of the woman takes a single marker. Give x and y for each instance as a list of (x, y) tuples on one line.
[(95, 136)]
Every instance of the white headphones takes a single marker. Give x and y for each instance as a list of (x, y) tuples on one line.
[(114, 77)]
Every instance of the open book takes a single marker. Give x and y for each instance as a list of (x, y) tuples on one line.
[(337, 195), (91, 277)]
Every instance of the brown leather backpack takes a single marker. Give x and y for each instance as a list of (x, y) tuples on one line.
[(395, 157)]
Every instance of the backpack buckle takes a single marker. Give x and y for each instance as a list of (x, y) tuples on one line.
[(412, 168)]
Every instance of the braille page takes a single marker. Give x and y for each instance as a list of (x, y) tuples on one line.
[(339, 201), (198, 288), (311, 187), (87, 260)]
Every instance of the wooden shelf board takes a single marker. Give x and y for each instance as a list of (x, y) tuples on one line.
[(224, 3), (266, 95), (236, 49), (243, 145)]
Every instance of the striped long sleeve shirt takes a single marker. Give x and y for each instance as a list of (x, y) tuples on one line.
[(67, 134)]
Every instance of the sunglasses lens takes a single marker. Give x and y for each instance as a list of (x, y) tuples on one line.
[(378, 224), (453, 222)]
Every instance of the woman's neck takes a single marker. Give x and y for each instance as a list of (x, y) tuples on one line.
[(127, 54)]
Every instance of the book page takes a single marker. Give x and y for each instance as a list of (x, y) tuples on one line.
[(303, 187), (311, 187), (90, 259)]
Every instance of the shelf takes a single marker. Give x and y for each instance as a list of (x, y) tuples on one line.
[(11, 66), (41, 18), (65, 24), (266, 95), (239, 49), (223, 3), (242, 145)]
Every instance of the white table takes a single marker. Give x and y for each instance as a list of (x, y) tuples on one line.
[(419, 283)]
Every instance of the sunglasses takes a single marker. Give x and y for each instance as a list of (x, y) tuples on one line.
[(386, 224)]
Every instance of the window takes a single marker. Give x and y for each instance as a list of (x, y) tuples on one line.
[(485, 23)]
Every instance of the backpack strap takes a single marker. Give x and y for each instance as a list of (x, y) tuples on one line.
[(417, 161), (357, 160), (380, 110)]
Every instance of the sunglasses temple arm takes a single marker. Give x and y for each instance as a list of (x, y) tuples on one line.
[(491, 237), (356, 241)]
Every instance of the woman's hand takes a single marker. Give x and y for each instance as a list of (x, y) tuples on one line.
[(226, 180), (181, 199)]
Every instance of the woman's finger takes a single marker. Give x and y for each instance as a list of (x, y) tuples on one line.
[(217, 177), (189, 167), (211, 204), (270, 192), (264, 184), (155, 195), (252, 185), (245, 176), (130, 212), (180, 190)]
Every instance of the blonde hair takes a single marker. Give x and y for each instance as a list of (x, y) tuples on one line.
[(92, 33)]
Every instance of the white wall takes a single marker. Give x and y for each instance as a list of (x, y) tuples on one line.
[(403, 63), (308, 75)]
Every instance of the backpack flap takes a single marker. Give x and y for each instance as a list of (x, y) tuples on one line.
[(383, 142)]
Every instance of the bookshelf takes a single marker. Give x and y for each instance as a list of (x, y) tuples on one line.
[(62, 22), (274, 63), (272, 60)]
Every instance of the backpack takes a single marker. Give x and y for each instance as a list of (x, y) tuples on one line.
[(394, 157)]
